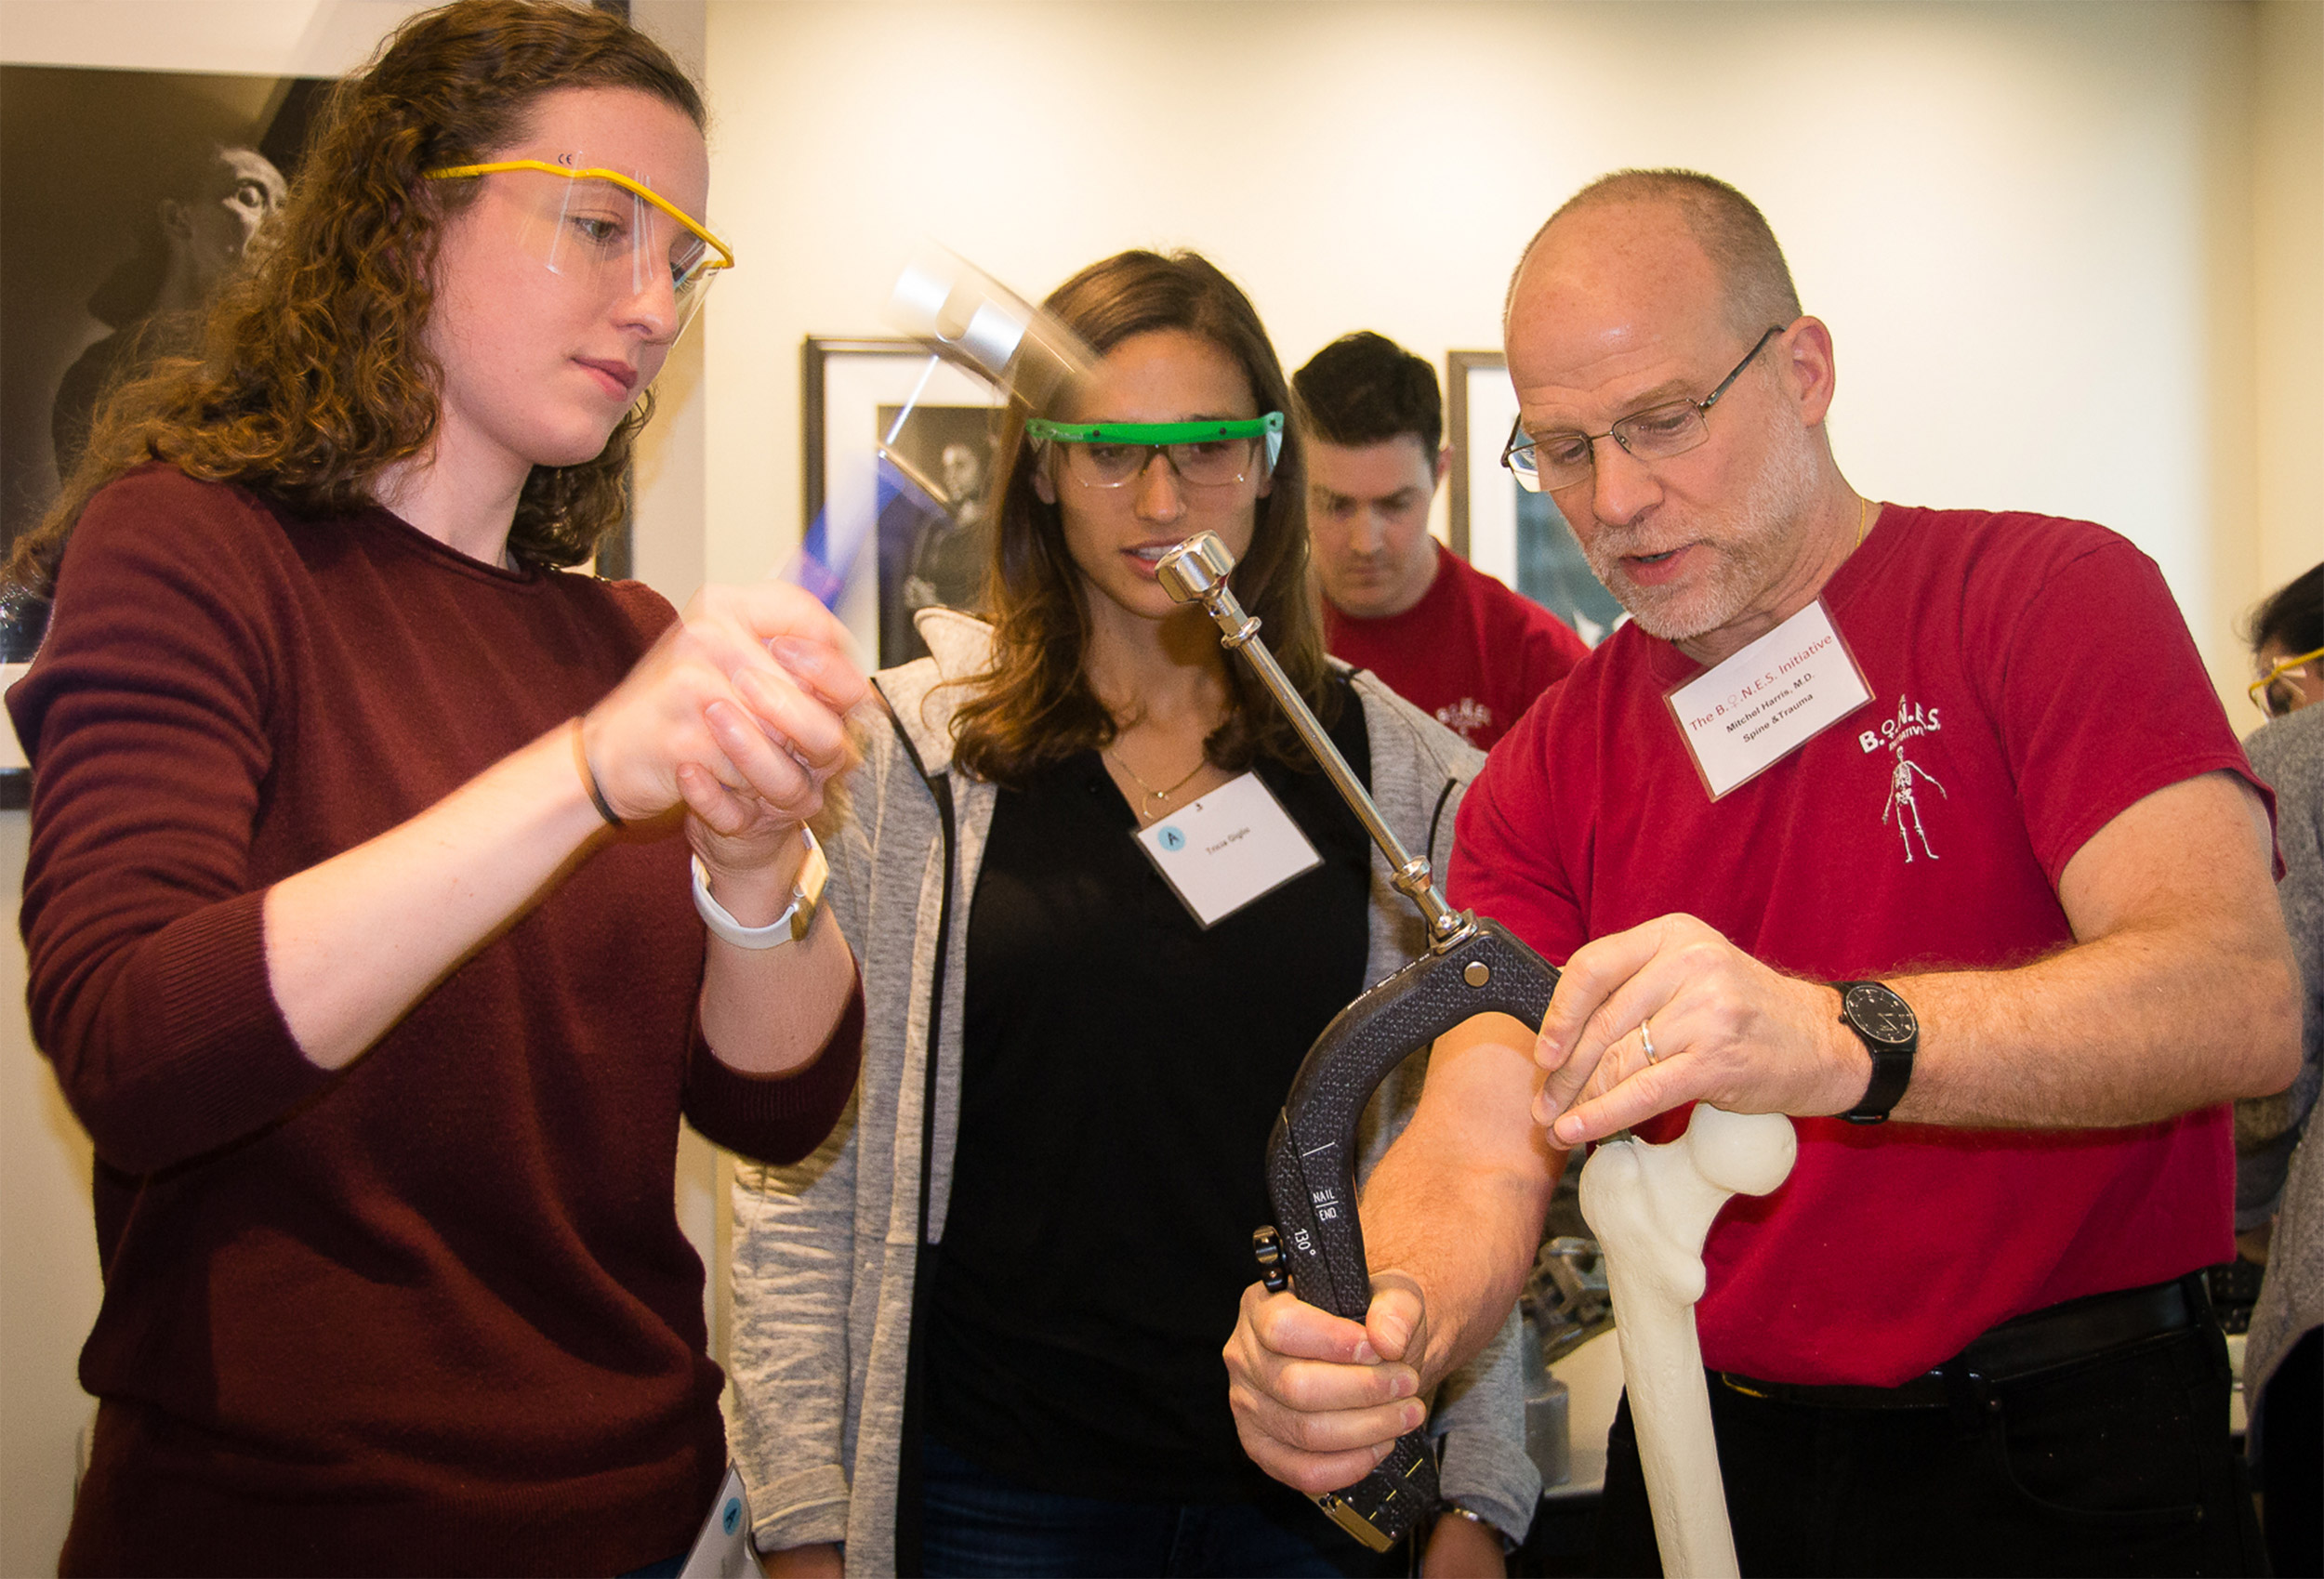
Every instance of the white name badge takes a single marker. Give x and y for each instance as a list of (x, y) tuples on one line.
[(1769, 700), (721, 1548), (1226, 850)]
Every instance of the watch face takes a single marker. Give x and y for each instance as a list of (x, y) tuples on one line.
[(1881, 1015)]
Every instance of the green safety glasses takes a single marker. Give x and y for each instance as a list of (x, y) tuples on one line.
[(1205, 453)]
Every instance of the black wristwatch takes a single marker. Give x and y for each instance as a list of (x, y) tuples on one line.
[(1885, 1023)]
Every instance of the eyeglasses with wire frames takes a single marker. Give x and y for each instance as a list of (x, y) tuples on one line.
[(594, 238), (1205, 453), (2273, 694), (1560, 460)]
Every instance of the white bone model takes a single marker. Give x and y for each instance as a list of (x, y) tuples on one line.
[(1650, 1207)]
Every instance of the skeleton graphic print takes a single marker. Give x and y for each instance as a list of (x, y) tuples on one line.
[(1906, 779)]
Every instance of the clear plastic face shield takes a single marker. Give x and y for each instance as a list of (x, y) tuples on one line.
[(966, 317), (1021, 356), (606, 233)]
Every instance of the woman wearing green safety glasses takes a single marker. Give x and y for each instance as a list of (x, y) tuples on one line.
[(357, 907), (1104, 901)]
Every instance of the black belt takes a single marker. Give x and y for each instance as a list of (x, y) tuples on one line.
[(2024, 1346)]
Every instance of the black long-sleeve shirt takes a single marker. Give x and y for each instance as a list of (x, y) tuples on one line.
[(1122, 1069)]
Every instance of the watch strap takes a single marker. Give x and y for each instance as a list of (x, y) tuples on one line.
[(1891, 1066), (787, 927)]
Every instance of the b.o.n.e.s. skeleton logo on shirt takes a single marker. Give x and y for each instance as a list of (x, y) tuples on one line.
[(1905, 779), (1465, 718)]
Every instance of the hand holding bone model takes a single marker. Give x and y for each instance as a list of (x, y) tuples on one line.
[(1650, 1207), (1669, 1012)]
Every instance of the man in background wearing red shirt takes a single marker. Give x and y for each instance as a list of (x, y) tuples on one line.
[(1837, 827), (1445, 637)]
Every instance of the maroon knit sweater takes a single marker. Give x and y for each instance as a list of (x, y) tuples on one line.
[(432, 1313)]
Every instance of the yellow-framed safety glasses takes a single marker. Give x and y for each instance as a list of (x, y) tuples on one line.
[(603, 230), (2277, 700)]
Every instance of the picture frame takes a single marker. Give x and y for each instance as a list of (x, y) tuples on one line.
[(128, 198), (125, 202), (1515, 536), (110, 208), (916, 525)]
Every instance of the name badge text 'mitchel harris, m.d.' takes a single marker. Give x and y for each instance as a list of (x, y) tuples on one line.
[(1768, 701)]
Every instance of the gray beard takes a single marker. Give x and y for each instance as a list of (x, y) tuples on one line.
[(1752, 548)]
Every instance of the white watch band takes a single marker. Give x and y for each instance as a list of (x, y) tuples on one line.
[(787, 927)]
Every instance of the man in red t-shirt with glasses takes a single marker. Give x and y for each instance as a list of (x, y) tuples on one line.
[(1839, 826)]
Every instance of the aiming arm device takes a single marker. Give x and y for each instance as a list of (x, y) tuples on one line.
[(1473, 967)]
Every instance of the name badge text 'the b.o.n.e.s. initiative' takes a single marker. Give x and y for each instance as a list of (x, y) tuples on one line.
[(1768, 701)]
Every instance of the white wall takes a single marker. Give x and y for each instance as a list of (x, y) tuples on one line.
[(49, 1283), (2029, 224), (292, 38), (667, 540), (2288, 288)]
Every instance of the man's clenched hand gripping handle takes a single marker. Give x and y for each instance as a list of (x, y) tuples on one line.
[(1454, 1212)]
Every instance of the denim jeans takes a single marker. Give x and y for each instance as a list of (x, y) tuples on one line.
[(973, 1522), (2120, 1464)]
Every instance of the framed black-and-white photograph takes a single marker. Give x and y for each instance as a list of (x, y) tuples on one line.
[(1496, 525), (127, 200), (917, 532)]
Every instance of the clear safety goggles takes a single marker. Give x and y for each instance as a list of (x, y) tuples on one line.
[(1205, 455), (608, 233), (2274, 693)]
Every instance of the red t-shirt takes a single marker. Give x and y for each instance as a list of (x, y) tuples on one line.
[(1996, 648), (1471, 651)]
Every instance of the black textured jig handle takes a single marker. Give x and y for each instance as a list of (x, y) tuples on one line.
[(1311, 1167)]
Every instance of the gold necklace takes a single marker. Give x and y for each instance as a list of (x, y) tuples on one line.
[(1156, 796), (1864, 507)]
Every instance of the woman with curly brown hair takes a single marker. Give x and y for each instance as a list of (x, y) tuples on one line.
[(356, 908), (979, 1331)]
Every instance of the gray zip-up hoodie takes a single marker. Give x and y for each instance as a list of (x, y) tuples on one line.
[(826, 1251)]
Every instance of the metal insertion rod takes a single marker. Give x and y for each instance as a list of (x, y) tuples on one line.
[(1473, 965), (1196, 572)]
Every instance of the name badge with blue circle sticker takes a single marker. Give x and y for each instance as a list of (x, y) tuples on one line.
[(721, 1548), (1231, 846)]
